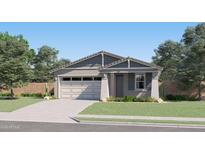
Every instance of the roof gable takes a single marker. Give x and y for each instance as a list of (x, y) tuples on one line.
[(130, 63), (123, 64), (105, 60), (93, 60)]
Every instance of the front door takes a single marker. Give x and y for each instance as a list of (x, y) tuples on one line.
[(119, 85)]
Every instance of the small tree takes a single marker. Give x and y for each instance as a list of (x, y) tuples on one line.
[(14, 61)]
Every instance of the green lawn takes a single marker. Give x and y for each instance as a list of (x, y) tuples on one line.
[(7, 105), (171, 109)]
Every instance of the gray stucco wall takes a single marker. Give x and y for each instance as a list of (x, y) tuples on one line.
[(134, 92), (148, 80), (129, 85), (109, 84), (131, 80)]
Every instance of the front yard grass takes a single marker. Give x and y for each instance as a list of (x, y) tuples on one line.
[(170, 109), (8, 105)]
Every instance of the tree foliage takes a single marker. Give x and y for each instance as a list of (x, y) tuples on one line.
[(192, 68), (184, 61), (14, 61), (168, 55), (46, 60)]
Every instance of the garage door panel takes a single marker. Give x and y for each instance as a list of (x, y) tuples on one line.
[(81, 89), (77, 90)]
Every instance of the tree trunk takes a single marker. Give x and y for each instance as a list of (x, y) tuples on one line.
[(199, 90), (12, 93), (11, 90)]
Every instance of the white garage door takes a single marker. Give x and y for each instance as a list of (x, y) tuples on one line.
[(80, 89)]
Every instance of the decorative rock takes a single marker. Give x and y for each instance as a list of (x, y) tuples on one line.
[(47, 97), (160, 100)]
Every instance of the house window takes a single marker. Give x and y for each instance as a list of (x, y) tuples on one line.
[(97, 78), (140, 81), (76, 78), (66, 79), (87, 78)]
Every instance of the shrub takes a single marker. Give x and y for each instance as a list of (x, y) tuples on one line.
[(129, 98), (115, 99), (111, 99), (132, 99), (5, 94), (32, 95), (180, 98), (145, 99), (119, 99)]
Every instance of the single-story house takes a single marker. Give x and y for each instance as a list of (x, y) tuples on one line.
[(103, 74)]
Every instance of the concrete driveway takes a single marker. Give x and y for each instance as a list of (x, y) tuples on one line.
[(58, 111)]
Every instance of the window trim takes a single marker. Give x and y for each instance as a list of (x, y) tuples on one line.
[(139, 89), (93, 78)]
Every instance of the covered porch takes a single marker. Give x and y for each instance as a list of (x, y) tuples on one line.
[(130, 83)]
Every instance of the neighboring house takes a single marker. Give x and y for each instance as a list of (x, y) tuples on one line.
[(104, 74)]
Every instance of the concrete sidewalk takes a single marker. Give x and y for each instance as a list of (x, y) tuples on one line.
[(142, 117)]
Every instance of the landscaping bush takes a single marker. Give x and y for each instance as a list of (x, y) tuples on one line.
[(5, 94), (115, 99), (32, 95), (145, 99), (180, 98), (131, 99)]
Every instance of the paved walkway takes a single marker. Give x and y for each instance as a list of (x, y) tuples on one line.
[(141, 117), (59, 111)]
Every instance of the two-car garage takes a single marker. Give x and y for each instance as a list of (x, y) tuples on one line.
[(80, 87)]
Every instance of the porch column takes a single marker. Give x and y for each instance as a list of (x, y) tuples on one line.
[(104, 89), (59, 87), (155, 85), (55, 87)]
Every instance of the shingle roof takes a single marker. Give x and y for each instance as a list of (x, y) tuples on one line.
[(122, 59), (88, 57)]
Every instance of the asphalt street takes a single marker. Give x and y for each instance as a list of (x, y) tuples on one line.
[(14, 126)]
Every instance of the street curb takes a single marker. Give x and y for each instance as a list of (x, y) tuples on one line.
[(143, 124), (180, 119)]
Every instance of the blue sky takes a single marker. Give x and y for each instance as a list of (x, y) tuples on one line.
[(76, 40)]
